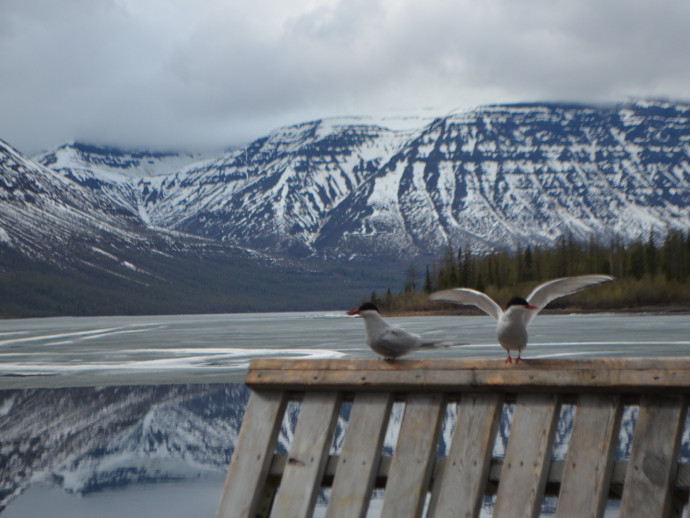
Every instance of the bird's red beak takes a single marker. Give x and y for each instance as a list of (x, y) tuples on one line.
[(531, 306), (353, 311)]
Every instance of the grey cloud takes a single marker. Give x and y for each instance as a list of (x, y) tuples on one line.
[(218, 73)]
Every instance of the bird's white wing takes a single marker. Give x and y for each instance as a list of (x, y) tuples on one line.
[(470, 297), (400, 340), (551, 290)]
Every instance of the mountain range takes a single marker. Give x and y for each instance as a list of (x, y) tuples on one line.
[(319, 214)]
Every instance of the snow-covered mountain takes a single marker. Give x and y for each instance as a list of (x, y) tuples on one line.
[(45, 213), (358, 191), (82, 219), (494, 177), (118, 162), (515, 175)]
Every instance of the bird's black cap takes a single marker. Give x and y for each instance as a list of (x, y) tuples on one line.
[(366, 306), (517, 301)]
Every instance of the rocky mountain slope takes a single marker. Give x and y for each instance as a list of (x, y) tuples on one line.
[(352, 192), (494, 177)]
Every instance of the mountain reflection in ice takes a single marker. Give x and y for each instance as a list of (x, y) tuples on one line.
[(90, 439), (84, 440)]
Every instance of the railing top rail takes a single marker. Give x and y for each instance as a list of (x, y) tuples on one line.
[(624, 375)]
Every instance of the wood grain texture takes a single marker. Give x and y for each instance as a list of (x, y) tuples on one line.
[(252, 456), (653, 457), (307, 456), (410, 471), (633, 375), (460, 487), (359, 459), (590, 459), (528, 456), (653, 482)]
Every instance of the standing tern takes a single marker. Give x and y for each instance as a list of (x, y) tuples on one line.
[(511, 327), (389, 341)]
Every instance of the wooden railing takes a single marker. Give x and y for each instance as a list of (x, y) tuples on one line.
[(417, 481)]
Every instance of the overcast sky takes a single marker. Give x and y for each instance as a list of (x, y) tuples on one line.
[(203, 74)]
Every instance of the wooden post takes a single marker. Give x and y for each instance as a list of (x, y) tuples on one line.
[(360, 456), (459, 491), (591, 454), (653, 455), (307, 456), (253, 454), (528, 456), (410, 472)]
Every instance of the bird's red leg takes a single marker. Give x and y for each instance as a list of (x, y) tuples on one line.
[(508, 359), (518, 356)]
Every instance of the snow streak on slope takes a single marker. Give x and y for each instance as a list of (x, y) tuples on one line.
[(44, 212), (495, 177), (507, 176)]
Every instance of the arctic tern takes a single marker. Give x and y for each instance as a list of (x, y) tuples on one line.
[(511, 327), (389, 341)]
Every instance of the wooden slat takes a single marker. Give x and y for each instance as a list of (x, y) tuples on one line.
[(528, 456), (652, 466), (650, 477), (461, 484), (591, 454), (252, 456), (307, 456), (410, 471), (360, 456), (554, 480), (640, 375)]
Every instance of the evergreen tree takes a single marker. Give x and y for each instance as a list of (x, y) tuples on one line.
[(428, 283), (411, 278), (528, 274), (636, 263), (650, 256)]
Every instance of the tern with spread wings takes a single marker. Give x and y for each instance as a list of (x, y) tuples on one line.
[(511, 327)]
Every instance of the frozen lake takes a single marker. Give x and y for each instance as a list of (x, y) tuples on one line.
[(136, 416), (93, 351)]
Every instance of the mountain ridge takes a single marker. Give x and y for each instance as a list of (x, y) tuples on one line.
[(456, 179), (346, 192)]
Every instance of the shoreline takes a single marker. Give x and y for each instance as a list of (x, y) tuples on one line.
[(472, 311)]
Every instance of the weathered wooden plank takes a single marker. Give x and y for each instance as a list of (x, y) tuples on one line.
[(653, 457), (372, 364), (360, 456), (307, 456), (528, 456), (591, 454), (554, 480), (252, 457), (410, 471), (661, 375), (462, 483)]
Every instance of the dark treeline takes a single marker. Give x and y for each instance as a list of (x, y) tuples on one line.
[(647, 273)]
